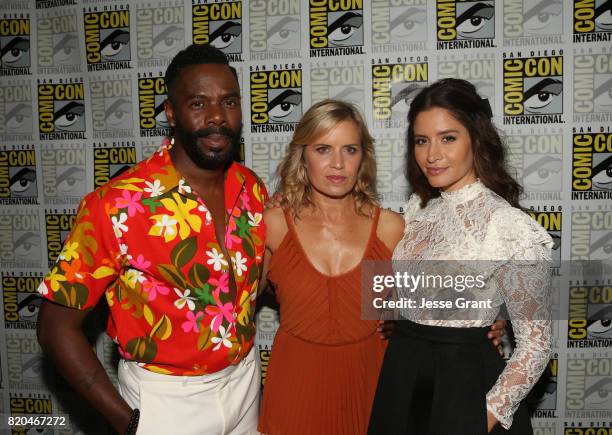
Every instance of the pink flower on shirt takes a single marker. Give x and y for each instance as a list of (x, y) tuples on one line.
[(130, 202)]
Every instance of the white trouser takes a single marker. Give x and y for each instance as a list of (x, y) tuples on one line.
[(225, 402)]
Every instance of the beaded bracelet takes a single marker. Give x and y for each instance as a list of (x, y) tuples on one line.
[(133, 423)]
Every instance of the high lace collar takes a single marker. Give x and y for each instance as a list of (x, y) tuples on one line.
[(464, 194)]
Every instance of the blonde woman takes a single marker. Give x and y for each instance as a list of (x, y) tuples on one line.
[(326, 359)]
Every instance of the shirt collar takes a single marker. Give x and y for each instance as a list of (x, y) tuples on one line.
[(161, 164)]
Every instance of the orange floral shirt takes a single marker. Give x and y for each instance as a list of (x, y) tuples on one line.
[(147, 242)]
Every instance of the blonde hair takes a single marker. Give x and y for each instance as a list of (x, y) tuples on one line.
[(294, 185)]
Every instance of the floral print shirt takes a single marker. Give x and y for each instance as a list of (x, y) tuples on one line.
[(147, 242)]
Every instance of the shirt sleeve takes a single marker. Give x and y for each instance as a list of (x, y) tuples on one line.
[(524, 284), (88, 262)]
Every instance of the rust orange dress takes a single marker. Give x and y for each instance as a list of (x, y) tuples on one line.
[(325, 360)]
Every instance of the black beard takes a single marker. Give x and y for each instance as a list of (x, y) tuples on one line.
[(209, 161)]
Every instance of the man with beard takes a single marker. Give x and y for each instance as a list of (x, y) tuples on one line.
[(175, 246)]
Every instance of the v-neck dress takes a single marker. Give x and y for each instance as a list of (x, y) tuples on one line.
[(325, 359)]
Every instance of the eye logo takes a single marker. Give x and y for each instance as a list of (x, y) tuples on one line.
[(533, 90), (151, 98), (592, 165), (21, 301), (21, 239), (15, 46), (592, 86), (61, 111), (16, 111), (274, 26), (107, 39), (592, 20), (57, 44), (462, 24), (160, 35), (220, 25), (276, 100), (110, 162), (63, 173), (18, 176), (539, 21), (396, 25), (336, 27), (111, 106), (393, 89)]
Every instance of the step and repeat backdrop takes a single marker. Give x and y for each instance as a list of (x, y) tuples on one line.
[(81, 99)]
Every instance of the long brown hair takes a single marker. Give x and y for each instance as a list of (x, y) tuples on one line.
[(460, 98), (294, 185)]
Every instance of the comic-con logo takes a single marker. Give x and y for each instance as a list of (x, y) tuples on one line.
[(111, 106), (57, 44), (338, 81), (542, 400), (35, 404), (398, 25), (266, 154), (58, 224), (18, 175), (551, 221), (592, 87), (160, 34), (276, 98), (529, 22), (21, 301), (16, 111), (394, 86), (112, 160), (533, 88), (24, 357), (61, 110), (274, 29), (15, 46), (465, 24), (591, 163), (20, 242), (220, 25), (391, 183), (537, 158), (479, 69), (335, 27), (588, 386), (592, 20), (107, 38), (151, 97), (591, 235), (63, 173)]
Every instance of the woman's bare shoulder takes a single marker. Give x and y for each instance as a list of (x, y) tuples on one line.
[(276, 227), (390, 228)]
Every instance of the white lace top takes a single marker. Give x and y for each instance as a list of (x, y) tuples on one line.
[(474, 223)]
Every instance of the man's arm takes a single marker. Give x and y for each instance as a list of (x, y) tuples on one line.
[(61, 336)]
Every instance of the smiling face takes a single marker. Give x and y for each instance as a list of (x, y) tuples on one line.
[(443, 150), (204, 109), (333, 159)]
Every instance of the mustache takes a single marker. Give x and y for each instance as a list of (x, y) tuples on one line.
[(214, 130)]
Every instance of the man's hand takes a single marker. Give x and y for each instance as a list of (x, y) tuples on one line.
[(385, 328), (498, 330), (274, 201)]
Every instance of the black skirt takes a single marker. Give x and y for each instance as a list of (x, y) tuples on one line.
[(434, 381)]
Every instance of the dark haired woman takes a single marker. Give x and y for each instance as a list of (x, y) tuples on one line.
[(439, 376)]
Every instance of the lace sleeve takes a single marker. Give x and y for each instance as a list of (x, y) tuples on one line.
[(524, 284)]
